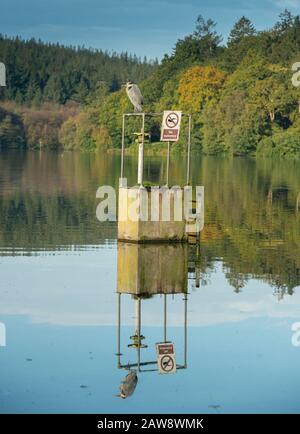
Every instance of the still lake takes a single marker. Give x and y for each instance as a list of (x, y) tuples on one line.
[(59, 301)]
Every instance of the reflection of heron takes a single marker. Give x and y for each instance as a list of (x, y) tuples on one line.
[(128, 385), (135, 96)]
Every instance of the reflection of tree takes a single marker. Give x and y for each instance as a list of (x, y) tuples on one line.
[(48, 200), (237, 280), (250, 221)]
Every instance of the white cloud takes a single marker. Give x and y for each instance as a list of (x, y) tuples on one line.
[(80, 289), (286, 4)]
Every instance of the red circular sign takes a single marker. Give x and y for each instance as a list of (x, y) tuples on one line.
[(172, 120)]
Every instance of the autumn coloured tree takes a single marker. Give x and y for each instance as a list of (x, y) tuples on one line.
[(198, 85), (239, 92)]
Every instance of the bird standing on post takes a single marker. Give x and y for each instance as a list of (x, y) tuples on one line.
[(135, 96)]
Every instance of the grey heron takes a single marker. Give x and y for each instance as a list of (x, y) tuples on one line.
[(135, 96)]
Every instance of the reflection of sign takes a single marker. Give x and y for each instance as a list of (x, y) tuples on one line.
[(170, 126), (166, 358), (167, 363), (165, 349)]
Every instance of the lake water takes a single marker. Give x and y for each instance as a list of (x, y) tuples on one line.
[(230, 320)]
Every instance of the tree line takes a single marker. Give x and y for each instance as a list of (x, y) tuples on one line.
[(240, 93), (45, 72)]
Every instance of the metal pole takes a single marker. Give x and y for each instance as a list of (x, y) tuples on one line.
[(185, 330), (165, 317), (123, 145), (168, 164), (189, 152), (141, 153)]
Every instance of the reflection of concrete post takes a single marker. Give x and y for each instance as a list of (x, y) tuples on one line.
[(145, 271)]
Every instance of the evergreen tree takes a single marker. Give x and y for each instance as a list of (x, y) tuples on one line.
[(285, 21), (241, 29)]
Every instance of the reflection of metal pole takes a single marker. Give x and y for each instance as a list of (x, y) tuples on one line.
[(185, 330), (168, 163), (165, 317), (141, 153), (189, 152), (123, 145), (119, 330), (139, 331), (197, 267)]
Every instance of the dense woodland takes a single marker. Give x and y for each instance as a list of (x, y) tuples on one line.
[(240, 93)]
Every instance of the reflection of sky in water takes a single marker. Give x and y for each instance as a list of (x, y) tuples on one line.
[(60, 313), (59, 302)]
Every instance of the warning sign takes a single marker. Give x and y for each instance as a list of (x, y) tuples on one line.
[(166, 358), (167, 363), (170, 126)]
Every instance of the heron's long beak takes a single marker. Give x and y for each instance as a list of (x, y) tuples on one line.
[(120, 396)]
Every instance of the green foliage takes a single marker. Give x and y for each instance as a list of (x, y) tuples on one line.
[(282, 144), (243, 28), (11, 130), (240, 95), (34, 127), (42, 72), (245, 111)]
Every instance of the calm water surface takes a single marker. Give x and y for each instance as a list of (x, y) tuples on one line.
[(61, 269)]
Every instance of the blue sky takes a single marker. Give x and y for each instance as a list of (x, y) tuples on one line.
[(144, 27)]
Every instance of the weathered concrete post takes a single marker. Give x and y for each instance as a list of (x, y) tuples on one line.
[(138, 200)]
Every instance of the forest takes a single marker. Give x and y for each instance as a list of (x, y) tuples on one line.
[(240, 93)]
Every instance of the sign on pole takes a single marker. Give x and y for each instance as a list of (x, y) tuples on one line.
[(166, 358), (170, 126)]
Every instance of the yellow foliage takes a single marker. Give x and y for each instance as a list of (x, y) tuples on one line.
[(101, 137), (197, 85)]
